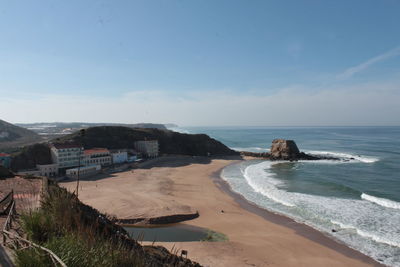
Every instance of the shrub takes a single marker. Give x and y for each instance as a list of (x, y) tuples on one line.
[(37, 225), (215, 237)]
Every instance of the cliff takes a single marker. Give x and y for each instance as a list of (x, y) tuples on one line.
[(114, 137)]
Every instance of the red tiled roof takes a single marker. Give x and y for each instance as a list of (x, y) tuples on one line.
[(4, 155), (95, 151)]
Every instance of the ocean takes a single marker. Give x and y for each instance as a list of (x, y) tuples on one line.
[(358, 196)]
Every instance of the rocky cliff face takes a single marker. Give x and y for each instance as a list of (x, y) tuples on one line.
[(284, 150)]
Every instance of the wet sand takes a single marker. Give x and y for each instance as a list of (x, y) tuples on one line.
[(256, 237)]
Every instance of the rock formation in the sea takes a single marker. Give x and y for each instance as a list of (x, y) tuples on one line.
[(284, 150)]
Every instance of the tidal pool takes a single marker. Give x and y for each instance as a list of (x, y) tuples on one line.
[(168, 233)]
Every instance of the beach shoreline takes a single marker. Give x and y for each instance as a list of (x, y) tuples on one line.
[(257, 237), (301, 228)]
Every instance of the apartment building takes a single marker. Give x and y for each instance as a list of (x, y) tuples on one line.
[(97, 156), (66, 155), (148, 148)]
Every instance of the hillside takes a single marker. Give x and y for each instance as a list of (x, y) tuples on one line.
[(13, 136), (51, 130), (29, 156), (170, 142)]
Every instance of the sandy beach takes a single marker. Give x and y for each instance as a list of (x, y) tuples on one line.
[(186, 184)]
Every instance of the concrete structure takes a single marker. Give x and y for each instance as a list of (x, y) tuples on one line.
[(147, 148), (66, 155), (119, 157), (83, 171), (5, 160), (48, 170), (96, 156)]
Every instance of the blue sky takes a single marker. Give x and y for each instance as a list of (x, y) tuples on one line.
[(201, 62)]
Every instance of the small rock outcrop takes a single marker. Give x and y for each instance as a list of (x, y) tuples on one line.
[(282, 149)]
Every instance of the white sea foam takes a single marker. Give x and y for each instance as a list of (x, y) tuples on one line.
[(251, 149), (263, 182), (344, 156), (381, 201), (366, 234), (373, 229)]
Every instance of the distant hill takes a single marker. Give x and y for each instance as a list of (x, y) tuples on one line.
[(51, 130), (114, 137), (38, 125), (13, 136)]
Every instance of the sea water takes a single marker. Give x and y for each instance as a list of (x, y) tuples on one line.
[(358, 196)]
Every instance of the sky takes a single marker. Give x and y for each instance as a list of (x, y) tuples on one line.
[(201, 63)]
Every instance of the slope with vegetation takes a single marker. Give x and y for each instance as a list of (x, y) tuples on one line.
[(29, 156), (81, 236), (114, 137), (13, 136)]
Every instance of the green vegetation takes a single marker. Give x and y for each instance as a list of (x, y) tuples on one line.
[(114, 137), (29, 156), (81, 236), (61, 226), (13, 136), (5, 173), (215, 237)]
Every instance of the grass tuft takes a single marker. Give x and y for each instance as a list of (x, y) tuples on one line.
[(213, 236)]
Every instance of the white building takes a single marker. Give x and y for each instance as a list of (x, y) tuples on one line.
[(119, 157), (66, 155), (147, 148), (97, 156), (83, 171), (48, 170)]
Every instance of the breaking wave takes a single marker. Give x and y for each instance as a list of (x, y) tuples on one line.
[(344, 156), (251, 149), (267, 186), (381, 201)]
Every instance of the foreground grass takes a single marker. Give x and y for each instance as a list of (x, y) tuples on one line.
[(63, 225)]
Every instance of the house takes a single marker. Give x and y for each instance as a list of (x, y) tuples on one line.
[(66, 155), (149, 148), (84, 171), (5, 160), (97, 156)]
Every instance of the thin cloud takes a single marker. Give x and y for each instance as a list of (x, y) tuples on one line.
[(356, 69)]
